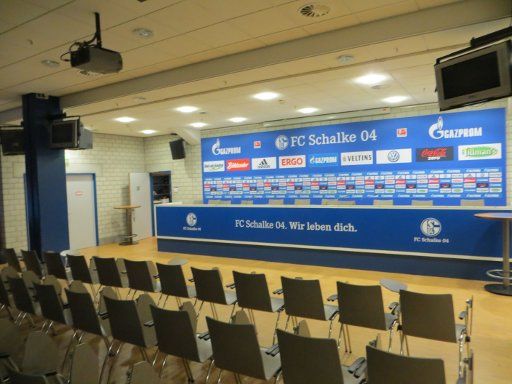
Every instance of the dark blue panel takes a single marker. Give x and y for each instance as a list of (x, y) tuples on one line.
[(466, 269), (46, 177)]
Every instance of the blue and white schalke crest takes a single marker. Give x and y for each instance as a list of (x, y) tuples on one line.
[(191, 219), (431, 227), (281, 142)]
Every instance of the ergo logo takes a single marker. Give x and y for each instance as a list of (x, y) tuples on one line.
[(292, 161)]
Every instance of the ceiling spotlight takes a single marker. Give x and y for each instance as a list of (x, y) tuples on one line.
[(187, 109), (307, 110), (371, 79), (145, 33), (50, 63), (198, 124), (266, 95), (238, 119), (345, 59), (125, 119), (148, 131), (394, 99)]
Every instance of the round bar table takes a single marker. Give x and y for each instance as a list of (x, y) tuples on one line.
[(128, 238), (504, 288)]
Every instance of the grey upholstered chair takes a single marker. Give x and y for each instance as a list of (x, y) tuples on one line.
[(303, 299), (6, 299), (209, 289), (22, 300), (55, 265), (128, 324), (362, 306), (236, 349), (176, 335), (26, 378), (142, 373), (84, 367), (110, 272), (431, 316), (32, 262), (11, 258), (253, 294), (141, 276), (311, 360), (385, 367), (173, 283), (11, 348), (51, 305), (39, 344)]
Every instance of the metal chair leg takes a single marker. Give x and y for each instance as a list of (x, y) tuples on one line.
[(210, 367), (238, 379), (68, 349), (278, 377), (163, 365), (348, 339), (232, 312), (219, 379), (155, 358), (200, 309), (114, 358), (214, 312), (144, 354), (103, 366), (188, 370), (330, 326), (287, 322), (342, 332), (274, 337)]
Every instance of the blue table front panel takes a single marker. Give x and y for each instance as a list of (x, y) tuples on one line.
[(434, 232)]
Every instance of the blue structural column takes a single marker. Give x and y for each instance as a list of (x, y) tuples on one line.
[(47, 209)]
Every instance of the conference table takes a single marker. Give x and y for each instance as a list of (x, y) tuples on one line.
[(424, 240)]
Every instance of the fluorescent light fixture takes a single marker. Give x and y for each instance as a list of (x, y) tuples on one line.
[(266, 95), (371, 79), (238, 119), (394, 99), (187, 109), (125, 119), (198, 124), (307, 110), (148, 131)]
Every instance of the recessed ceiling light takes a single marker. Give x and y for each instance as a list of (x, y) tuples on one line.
[(238, 119), (145, 33), (266, 95), (314, 10), (187, 109), (394, 99), (50, 63), (148, 131), (345, 59), (307, 110), (371, 79), (198, 124), (125, 119)]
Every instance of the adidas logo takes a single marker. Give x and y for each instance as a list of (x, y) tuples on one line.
[(264, 164)]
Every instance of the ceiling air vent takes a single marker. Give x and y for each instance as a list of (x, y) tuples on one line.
[(314, 10)]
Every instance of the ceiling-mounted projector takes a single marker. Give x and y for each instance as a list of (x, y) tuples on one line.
[(91, 57)]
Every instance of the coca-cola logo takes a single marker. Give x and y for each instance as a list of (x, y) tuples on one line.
[(238, 165), (434, 154)]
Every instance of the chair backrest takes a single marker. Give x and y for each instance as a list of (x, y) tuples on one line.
[(84, 367), (172, 280), (32, 262), (208, 284), (25, 378), (361, 305), (422, 203), (51, 306), (309, 360), (11, 258), (252, 291), (430, 316), (108, 272), (383, 202), (54, 265), (302, 202), (139, 276), (83, 311), (4, 295), (39, 344), (235, 348), (20, 295), (79, 268), (142, 373), (303, 298), (11, 341), (175, 333), (125, 323), (275, 201), (472, 203), (385, 367)]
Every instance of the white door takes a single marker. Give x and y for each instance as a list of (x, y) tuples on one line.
[(140, 194), (81, 211)]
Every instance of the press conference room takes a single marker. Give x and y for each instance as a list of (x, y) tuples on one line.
[(255, 191)]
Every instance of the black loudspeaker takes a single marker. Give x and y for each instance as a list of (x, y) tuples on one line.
[(13, 142), (177, 149)]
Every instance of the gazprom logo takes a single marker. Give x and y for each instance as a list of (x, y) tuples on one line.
[(436, 131), (281, 142), (323, 160), (217, 150)]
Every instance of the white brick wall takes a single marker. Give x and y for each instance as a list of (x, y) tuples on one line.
[(114, 157)]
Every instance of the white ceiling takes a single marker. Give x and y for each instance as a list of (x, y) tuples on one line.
[(191, 31)]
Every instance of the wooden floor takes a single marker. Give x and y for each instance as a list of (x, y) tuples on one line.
[(492, 331)]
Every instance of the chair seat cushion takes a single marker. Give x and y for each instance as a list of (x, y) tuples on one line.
[(271, 364), (204, 349), (277, 303)]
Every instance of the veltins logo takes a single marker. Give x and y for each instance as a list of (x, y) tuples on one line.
[(431, 227), (238, 165), (323, 160), (214, 166), (281, 142), (436, 131), (292, 161), (356, 158), (480, 151), (217, 150), (191, 219), (264, 163), (394, 156)]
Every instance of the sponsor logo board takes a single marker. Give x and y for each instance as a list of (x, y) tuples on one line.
[(434, 154), (237, 165), (480, 151), (217, 149), (394, 156), (323, 160), (356, 158), (298, 161), (214, 166), (259, 163), (438, 131)]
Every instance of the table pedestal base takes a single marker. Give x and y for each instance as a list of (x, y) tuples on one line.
[(499, 289)]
